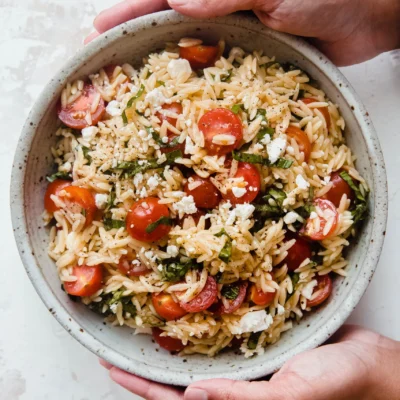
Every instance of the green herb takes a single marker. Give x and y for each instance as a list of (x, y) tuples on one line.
[(110, 223), (277, 195), (174, 271), (59, 175), (359, 212), (289, 67), (131, 101), (113, 298), (161, 221), (226, 252), (221, 233), (159, 141), (85, 151), (160, 83), (111, 199), (139, 113), (295, 279), (257, 159), (236, 108), (268, 211), (230, 292), (265, 131), (226, 77), (261, 112), (283, 163), (219, 277), (348, 179), (253, 340)]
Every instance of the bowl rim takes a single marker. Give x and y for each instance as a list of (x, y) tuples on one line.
[(160, 374)]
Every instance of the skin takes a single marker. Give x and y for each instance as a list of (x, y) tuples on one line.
[(356, 364)]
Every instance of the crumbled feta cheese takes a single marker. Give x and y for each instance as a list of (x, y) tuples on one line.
[(254, 321), (89, 132), (143, 193), (280, 309), (258, 147), (265, 140), (165, 139), (161, 159), (301, 182), (290, 217), (244, 211), (313, 215), (190, 147), (327, 179), (186, 205), (113, 307), (160, 267), (100, 200), (308, 290), (138, 179), (153, 182), (231, 218), (224, 139), (136, 262), (143, 134), (156, 98), (239, 192), (150, 255), (66, 167), (173, 251), (275, 149), (113, 108), (178, 67)]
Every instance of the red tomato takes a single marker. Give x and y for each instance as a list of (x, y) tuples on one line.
[(312, 231), (325, 287), (200, 56), (73, 115), (204, 299), (236, 303), (143, 213), (127, 268), (338, 189), (324, 110), (252, 181), (166, 342), (302, 140), (297, 253), (257, 296), (166, 307), (220, 121), (53, 189), (89, 281), (206, 195)]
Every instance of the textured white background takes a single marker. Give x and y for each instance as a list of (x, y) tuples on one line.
[(38, 359)]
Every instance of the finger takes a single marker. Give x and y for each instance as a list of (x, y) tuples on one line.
[(127, 10), (91, 37), (105, 364), (144, 388)]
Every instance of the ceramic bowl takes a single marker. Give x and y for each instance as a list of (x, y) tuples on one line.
[(137, 354)]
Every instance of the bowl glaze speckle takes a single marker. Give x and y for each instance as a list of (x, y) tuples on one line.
[(137, 354)]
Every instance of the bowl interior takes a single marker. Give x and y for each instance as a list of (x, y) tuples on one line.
[(130, 43)]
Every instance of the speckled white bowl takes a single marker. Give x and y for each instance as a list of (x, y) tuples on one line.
[(33, 161)]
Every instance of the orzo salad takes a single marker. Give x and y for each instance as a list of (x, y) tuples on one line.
[(205, 198)]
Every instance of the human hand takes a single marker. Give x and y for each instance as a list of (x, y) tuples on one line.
[(347, 31), (361, 365)]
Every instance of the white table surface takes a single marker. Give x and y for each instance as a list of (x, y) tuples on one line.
[(38, 359)]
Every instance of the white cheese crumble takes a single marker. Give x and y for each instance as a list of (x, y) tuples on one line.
[(224, 139), (313, 215), (153, 182), (254, 321), (275, 149), (150, 256), (173, 251), (160, 267), (113, 108), (308, 290), (186, 205), (113, 307), (100, 200), (138, 179), (178, 67), (291, 217), (190, 147), (89, 132), (301, 182), (244, 211), (280, 309), (265, 140), (156, 98), (239, 192)]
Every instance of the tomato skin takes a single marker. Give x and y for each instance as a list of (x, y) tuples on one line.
[(319, 235), (338, 189), (53, 189), (324, 283), (300, 251), (324, 110), (126, 267), (166, 307), (199, 56), (260, 298), (90, 280), (143, 213), (73, 115), (302, 140), (220, 121), (204, 299), (251, 177), (166, 342), (205, 195), (236, 303)]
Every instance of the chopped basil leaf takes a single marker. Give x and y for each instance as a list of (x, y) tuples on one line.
[(349, 180), (226, 77), (131, 101), (160, 83), (159, 141), (268, 211), (253, 340), (237, 107), (110, 223), (265, 131), (360, 212), (111, 199), (219, 277), (257, 159), (113, 298), (283, 163), (174, 271), (226, 252), (230, 292), (161, 221), (85, 151), (295, 279), (59, 175), (275, 194), (261, 112), (221, 233)]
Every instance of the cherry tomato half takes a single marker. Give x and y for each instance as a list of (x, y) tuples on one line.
[(257, 296), (166, 307), (252, 184), (314, 229), (166, 342), (302, 140), (200, 56), (89, 281), (143, 213), (300, 251), (324, 289), (73, 115), (215, 123), (236, 303), (324, 110), (206, 195), (338, 189), (204, 299), (126, 267), (53, 189)]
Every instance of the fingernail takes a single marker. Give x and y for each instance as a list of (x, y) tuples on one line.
[(196, 394)]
